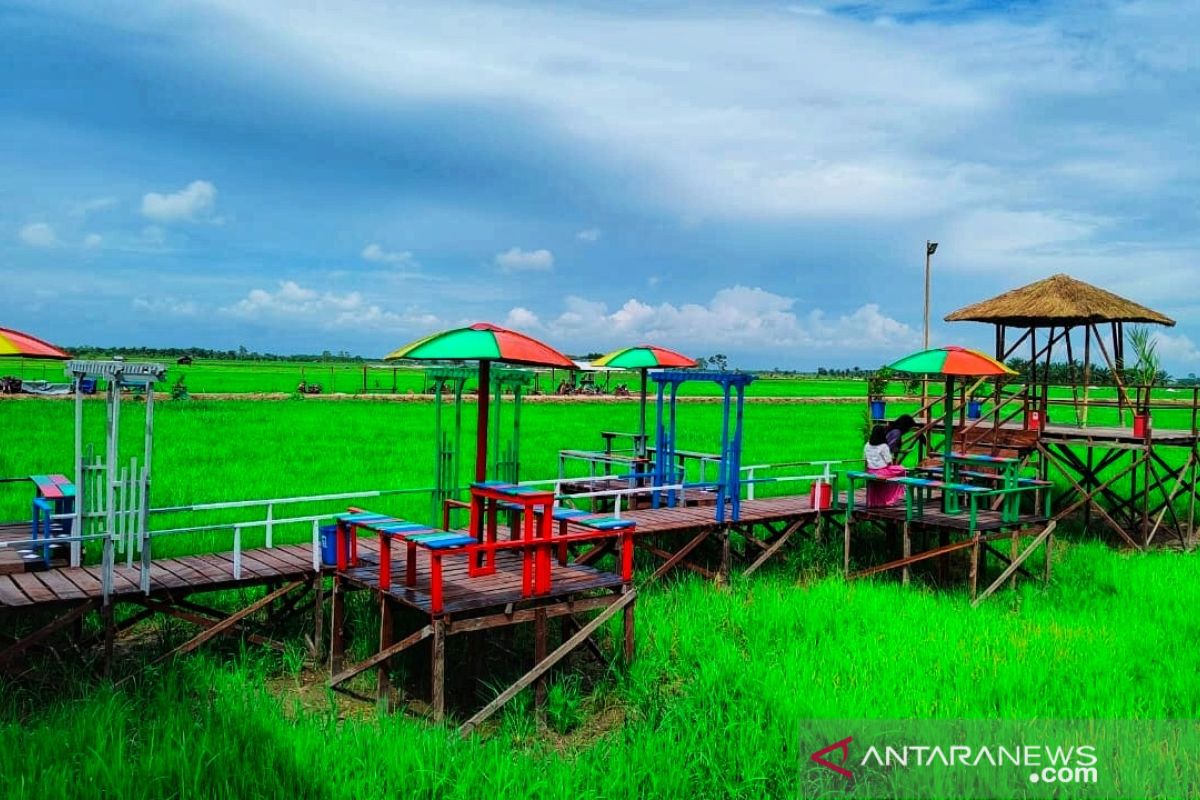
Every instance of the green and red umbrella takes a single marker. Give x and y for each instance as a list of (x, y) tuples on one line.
[(644, 357), (485, 343), (951, 362), (17, 344)]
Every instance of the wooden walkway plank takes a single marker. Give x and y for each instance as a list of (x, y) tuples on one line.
[(11, 594)]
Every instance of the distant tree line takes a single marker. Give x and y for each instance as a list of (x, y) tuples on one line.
[(240, 354)]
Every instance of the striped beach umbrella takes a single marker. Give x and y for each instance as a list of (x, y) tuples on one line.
[(644, 357), (21, 345), (485, 343)]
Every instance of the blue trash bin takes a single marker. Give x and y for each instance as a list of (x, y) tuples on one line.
[(328, 536)]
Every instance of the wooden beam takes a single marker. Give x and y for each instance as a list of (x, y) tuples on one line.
[(902, 562), (196, 616), (383, 655), (779, 542), (679, 555), (529, 677), (1015, 565), (46, 631), (526, 615), (230, 621)]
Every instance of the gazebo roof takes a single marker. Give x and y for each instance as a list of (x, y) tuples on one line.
[(1057, 301)]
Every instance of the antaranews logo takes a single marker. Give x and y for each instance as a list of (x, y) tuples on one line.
[(1045, 764), (844, 748)]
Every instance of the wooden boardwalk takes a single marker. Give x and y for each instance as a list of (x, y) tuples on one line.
[(185, 574), (23, 559), (466, 594)]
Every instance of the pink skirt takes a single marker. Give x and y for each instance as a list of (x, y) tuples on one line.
[(886, 494)]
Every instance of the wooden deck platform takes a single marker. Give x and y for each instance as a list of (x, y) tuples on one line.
[(464, 594), (195, 573), (1017, 436), (986, 519), (24, 559)]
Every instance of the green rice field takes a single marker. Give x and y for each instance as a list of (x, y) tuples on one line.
[(726, 695)]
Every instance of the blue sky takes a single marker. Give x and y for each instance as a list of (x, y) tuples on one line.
[(757, 179)]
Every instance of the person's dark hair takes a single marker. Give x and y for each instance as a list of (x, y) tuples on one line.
[(878, 436), (903, 423)]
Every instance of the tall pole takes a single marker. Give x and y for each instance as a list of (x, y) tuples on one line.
[(930, 248)]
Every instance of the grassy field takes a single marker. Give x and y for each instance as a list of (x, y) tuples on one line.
[(205, 376), (725, 698)]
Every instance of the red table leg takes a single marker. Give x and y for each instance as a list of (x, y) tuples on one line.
[(563, 553), (627, 555), (340, 543), (385, 561), (410, 565), (435, 581)]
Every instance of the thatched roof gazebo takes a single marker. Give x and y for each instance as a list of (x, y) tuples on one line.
[(1062, 305), (1058, 301)]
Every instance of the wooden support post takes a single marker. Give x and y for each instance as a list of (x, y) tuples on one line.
[(316, 646), (348, 673), (679, 555), (846, 547), (539, 653), (230, 621), (723, 572), (437, 690), (387, 634), (1011, 571), (973, 577), (108, 619), (906, 550), (774, 547), (1013, 548), (548, 662), (337, 624), (628, 627), (46, 631)]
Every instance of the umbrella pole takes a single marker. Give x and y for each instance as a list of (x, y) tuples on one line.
[(641, 444), (948, 503), (481, 426)]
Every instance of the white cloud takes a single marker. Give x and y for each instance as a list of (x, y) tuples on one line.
[(521, 318), (194, 202), (93, 241), (38, 234), (517, 260), (292, 304), (1178, 350), (588, 235), (166, 306), (93, 206), (374, 252), (737, 317)]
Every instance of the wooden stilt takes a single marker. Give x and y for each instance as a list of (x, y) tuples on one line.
[(1013, 550), (629, 631), (337, 623), (387, 634), (108, 619), (317, 645), (723, 573), (437, 693), (539, 653), (906, 550), (846, 547), (973, 578)]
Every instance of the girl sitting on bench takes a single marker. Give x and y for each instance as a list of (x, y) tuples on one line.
[(879, 456)]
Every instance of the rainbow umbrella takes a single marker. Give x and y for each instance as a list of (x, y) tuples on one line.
[(644, 357), (951, 362), (16, 344), (485, 343)]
